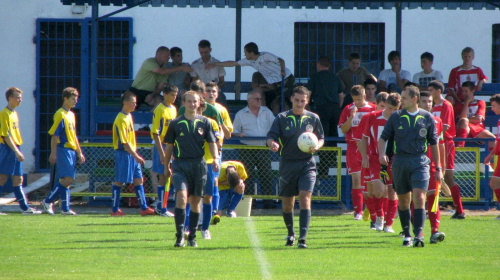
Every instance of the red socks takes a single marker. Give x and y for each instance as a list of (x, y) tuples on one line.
[(434, 217), (461, 133), (392, 208), (371, 208), (377, 203), (457, 200), (357, 200)]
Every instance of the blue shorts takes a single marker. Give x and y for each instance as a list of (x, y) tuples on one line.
[(157, 166), (410, 172), (296, 176), (66, 162), (9, 163), (126, 168), (210, 185)]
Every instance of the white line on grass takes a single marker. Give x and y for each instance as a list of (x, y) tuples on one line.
[(257, 249)]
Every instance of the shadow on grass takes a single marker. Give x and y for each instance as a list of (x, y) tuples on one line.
[(105, 232), (120, 224), (113, 240), (165, 248)]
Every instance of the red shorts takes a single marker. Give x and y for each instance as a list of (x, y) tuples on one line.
[(352, 158), (496, 173), (373, 172), (475, 129), (449, 147)]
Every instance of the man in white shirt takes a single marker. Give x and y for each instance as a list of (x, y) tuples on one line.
[(394, 79), (255, 120), (424, 78)]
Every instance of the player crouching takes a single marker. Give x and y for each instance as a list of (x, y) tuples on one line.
[(231, 186)]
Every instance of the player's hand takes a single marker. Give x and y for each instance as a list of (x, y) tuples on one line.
[(384, 174), (274, 146), (396, 69), (365, 163), (168, 172), (210, 65), (139, 159), (383, 160), (20, 156), (162, 158), (215, 166), (52, 158), (353, 111), (81, 159), (439, 176), (187, 68), (315, 149)]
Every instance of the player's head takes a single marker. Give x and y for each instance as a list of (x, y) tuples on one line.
[(255, 98), (198, 86), (381, 100), (410, 97), (205, 48), (14, 96), (162, 54), (212, 92), (358, 95), (495, 103), (300, 97), (70, 97), (251, 51), (170, 93), (323, 62), (425, 101), (129, 101), (407, 84), (426, 60), (436, 86), (394, 58), (354, 61), (393, 102), (469, 85), (202, 107), (176, 55), (191, 101), (468, 55), (233, 177), (370, 88)]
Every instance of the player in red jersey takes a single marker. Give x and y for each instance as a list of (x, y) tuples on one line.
[(444, 110), (349, 122), (461, 74), (495, 179), (372, 126), (434, 217)]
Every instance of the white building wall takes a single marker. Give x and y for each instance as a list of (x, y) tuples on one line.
[(444, 33)]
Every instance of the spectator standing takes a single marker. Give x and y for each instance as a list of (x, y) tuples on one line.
[(354, 75)]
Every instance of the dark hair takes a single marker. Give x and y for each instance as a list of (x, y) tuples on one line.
[(381, 97), (301, 90), (204, 44), (428, 56), (469, 84), (370, 81), (252, 48), (468, 50), (198, 86), (357, 90), (175, 50), (127, 96), (212, 85), (437, 85), (68, 92), (233, 177), (11, 91), (495, 98), (393, 54), (169, 88), (413, 91), (324, 61), (425, 93), (394, 99), (407, 84), (161, 49), (354, 56)]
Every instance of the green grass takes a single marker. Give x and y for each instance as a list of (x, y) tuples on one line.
[(134, 247)]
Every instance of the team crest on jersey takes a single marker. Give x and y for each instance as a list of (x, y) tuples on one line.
[(422, 132), (200, 130), (309, 128)]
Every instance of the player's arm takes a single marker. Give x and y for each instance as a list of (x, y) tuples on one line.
[(136, 156), (215, 155), (481, 113), (159, 147), (442, 156), (53, 149), (229, 63), (221, 81), (437, 162), (272, 135), (10, 143), (347, 124), (79, 154), (169, 148), (362, 147), (167, 71)]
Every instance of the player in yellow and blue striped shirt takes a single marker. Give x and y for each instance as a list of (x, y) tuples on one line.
[(65, 150)]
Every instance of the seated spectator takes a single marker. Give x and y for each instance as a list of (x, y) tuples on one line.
[(354, 75), (422, 79), (370, 90), (393, 80), (179, 79)]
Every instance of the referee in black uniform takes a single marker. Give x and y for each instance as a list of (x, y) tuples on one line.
[(297, 171), (189, 133), (412, 129)]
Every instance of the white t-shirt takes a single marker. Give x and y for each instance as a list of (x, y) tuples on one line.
[(207, 75), (268, 65), (423, 79), (389, 77)]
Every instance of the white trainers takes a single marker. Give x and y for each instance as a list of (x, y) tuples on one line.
[(388, 229), (48, 207), (167, 214), (68, 213), (379, 224), (31, 211), (231, 214), (205, 234), (358, 216)]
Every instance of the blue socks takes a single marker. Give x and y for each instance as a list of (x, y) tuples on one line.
[(207, 215), (21, 198), (161, 196), (65, 198), (418, 222), (139, 192), (188, 211), (54, 193), (288, 219), (235, 199), (116, 197), (304, 220), (215, 199), (405, 218)]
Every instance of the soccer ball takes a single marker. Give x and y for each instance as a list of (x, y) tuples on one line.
[(307, 141)]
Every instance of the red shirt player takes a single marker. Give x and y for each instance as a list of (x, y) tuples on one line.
[(349, 121), (495, 179)]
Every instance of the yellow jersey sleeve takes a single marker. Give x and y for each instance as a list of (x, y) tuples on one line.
[(9, 126), (123, 132), (225, 116), (64, 127), (240, 168), (162, 117), (208, 156)]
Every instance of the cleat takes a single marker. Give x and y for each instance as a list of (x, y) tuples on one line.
[(302, 244), (157, 210), (48, 207), (366, 214), (215, 219), (167, 214), (148, 211), (418, 242), (68, 213), (388, 229), (437, 237), (379, 224), (205, 234), (31, 211), (118, 213), (372, 226), (290, 240), (154, 203), (192, 242), (358, 216), (231, 214), (407, 242), (458, 216), (179, 242), (402, 234)]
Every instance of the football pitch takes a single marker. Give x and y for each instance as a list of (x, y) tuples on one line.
[(135, 247)]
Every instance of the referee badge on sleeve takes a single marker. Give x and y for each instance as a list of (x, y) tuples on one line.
[(200, 130), (422, 132), (309, 128)]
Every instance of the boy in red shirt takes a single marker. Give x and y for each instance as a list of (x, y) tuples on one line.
[(495, 179)]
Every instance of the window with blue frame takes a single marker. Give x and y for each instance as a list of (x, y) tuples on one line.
[(337, 41), (63, 60), (495, 60)]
